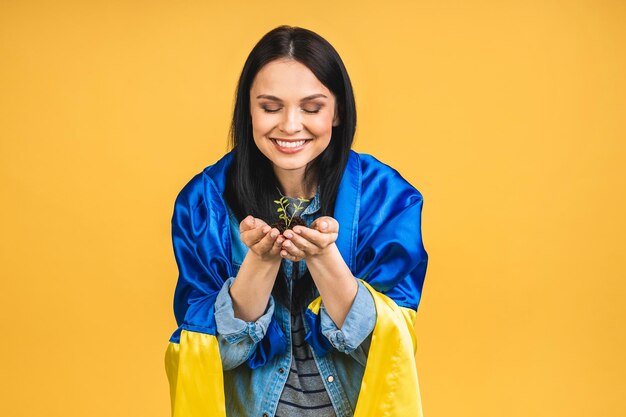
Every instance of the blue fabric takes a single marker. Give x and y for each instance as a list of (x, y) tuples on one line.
[(380, 239)]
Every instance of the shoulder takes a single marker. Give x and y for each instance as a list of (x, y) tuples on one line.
[(192, 191), (203, 192), (379, 179), (210, 182)]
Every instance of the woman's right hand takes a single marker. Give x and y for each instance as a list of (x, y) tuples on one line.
[(260, 238)]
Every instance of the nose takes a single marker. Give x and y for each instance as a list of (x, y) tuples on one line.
[(291, 122)]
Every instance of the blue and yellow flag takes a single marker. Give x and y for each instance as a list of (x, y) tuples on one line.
[(379, 214)]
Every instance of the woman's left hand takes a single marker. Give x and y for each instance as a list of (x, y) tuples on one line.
[(304, 243)]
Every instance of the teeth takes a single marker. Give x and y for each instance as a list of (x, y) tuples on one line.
[(290, 144)]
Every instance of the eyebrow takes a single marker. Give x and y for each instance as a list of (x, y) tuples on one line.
[(274, 98)]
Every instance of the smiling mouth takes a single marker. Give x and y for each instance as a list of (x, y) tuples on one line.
[(288, 144)]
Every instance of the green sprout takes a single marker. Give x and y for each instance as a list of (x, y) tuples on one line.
[(283, 203)]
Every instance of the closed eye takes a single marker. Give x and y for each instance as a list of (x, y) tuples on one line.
[(277, 110)]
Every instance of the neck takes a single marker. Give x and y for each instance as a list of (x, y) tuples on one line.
[(293, 184)]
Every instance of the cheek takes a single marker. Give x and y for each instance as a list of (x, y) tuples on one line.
[(258, 123), (323, 125)]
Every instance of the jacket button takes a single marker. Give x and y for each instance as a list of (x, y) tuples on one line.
[(330, 378), (281, 370)]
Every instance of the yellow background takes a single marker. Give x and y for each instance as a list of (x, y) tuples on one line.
[(507, 115)]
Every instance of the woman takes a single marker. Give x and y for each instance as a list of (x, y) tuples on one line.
[(316, 319)]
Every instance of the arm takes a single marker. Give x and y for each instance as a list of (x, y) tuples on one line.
[(335, 282), (347, 314), (390, 256), (238, 338), (243, 319), (354, 336), (251, 289), (244, 307)]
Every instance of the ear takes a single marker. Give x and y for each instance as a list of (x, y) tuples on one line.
[(336, 118)]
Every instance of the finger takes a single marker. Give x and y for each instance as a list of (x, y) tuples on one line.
[(293, 250), (254, 236), (326, 224), (287, 255), (259, 222), (246, 224), (250, 222), (312, 237), (301, 242), (265, 244), (278, 245)]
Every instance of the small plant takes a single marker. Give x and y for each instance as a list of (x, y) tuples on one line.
[(282, 209)]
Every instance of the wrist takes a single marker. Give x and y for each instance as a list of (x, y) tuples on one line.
[(260, 267), (330, 253), (255, 258), (329, 263)]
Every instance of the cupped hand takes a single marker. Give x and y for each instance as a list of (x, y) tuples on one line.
[(303, 242), (261, 238)]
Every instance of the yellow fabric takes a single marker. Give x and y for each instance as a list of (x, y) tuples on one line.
[(390, 387), (194, 371), (409, 316), (315, 306)]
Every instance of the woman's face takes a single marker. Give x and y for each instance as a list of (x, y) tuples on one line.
[(292, 116)]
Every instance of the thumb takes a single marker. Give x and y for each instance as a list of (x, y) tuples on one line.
[(327, 224), (321, 225), (247, 223)]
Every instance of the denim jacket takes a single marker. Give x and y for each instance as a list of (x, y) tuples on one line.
[(256, 392)]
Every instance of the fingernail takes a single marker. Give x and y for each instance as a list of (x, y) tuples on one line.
[(274, 234), (288, 235), (266, 229), (324, 225), (287, 244)]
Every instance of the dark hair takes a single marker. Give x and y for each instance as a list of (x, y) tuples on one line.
[(251, 186)]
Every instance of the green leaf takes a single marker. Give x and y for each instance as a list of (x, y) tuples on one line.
[(280, 209), (276, 201)]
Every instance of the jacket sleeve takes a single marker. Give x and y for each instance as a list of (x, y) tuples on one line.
[(238, 338), (354, 336)]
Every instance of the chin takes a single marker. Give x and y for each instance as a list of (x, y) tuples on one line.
[(291, 166)]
